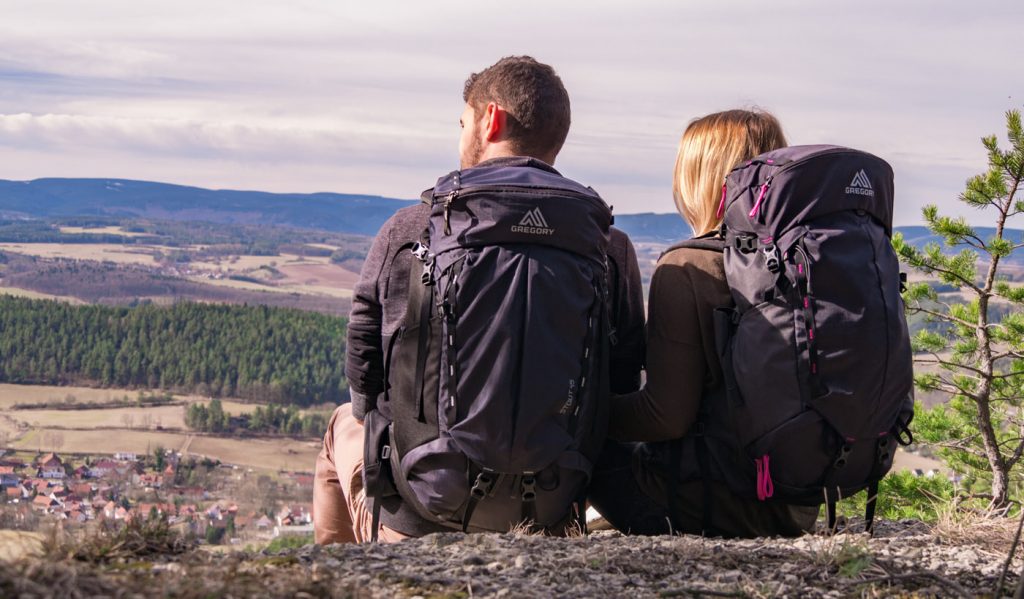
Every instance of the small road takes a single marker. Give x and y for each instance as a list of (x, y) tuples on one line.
[(184, 448)]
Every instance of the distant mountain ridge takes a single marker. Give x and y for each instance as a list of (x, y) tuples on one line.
[(125, 198), (344, 213)]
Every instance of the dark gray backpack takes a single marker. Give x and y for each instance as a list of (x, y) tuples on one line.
[(816, 353), (497, 396)]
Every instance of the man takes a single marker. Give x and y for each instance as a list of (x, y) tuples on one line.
[(516, 115)]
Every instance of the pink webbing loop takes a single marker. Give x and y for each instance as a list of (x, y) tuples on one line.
[(765, 487), (760, 198), (721, 205)]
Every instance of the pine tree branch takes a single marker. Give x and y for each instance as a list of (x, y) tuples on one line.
[(978, 243), (959, 447), (1006, 375), (964, 282), (1008, 354), (1017, 453), (942, 362), (945, 317), (954, 389)]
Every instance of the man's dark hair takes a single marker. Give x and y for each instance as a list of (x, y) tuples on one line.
[(533, 97)]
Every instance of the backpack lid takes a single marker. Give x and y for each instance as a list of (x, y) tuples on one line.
[(517, 200), (515, 171), (776, 190)]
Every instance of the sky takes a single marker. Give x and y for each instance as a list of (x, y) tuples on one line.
[(333, 95)]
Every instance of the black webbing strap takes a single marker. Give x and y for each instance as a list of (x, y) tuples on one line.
[(831, 487), (425, 304), (482, 487), (882, 453), (831, 498), (586, 369), (806, 292), (374, 493), (869, 510), (375, 519), (528, 492), (581, 511), (449, 309)]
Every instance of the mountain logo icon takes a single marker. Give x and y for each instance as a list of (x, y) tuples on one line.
[(860, 185), (533, 223)]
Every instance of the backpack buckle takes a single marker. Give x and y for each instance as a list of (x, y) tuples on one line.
[(483, 485), (529, 487), (772, 260), (746, 244), (422, 252), (841, 460)]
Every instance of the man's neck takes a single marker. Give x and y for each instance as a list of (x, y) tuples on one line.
[(504, 150)]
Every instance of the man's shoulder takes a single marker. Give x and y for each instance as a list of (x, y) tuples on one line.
[(617, 238), (620, 248), (407, 222)]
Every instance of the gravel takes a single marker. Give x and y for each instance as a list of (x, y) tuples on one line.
[(902, 558)]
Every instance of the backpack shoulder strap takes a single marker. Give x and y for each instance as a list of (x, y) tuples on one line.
[(712, 243)]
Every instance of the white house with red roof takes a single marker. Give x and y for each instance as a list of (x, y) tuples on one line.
[(51, 466)]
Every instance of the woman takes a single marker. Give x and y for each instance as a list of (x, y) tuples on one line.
[(634, 473)]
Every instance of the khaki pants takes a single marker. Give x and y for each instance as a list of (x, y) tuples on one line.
[(340, 513)]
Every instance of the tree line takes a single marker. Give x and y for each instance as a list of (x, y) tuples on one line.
[(261, 353), (286, 420)]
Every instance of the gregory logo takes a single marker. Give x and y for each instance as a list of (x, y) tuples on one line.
[(860, 185), (533, 223)]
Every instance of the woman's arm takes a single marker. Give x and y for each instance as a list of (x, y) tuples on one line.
[(667, 405)]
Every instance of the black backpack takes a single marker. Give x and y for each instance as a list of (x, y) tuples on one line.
[(497, 397), (816, 353)]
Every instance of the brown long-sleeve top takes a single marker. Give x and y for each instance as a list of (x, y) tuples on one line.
[(688, 284), (682, 362)]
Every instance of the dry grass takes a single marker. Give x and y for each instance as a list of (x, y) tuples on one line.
[(140, 538), (263, 454), (16, 544), (105, 431), (112, 230), (168, 417), (276, 454), (243, 263), (111, 252), (18, 292), (11, 394), (958, 525), (98, 441)]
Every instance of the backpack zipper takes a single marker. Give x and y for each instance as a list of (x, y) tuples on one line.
[(760, 198), (782, 168), (448, 211), (516, 190)]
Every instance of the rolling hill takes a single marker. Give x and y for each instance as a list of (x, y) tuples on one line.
[(345, 213)]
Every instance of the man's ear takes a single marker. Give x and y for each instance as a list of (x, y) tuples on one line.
[(494, 122)]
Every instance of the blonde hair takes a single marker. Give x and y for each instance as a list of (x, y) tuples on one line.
[(710, 147)]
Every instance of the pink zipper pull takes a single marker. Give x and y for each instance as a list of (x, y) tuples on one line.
[(760, 198), (721, 205), (765, 486)]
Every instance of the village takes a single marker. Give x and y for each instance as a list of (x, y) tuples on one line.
[(212, 502)]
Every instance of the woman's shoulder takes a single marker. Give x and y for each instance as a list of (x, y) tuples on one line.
[(698, 258), (697, 272)]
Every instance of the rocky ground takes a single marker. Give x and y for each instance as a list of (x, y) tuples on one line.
[(902, 559)]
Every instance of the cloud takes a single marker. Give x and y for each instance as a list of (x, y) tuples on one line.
[(365, 97), (225, 140)]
